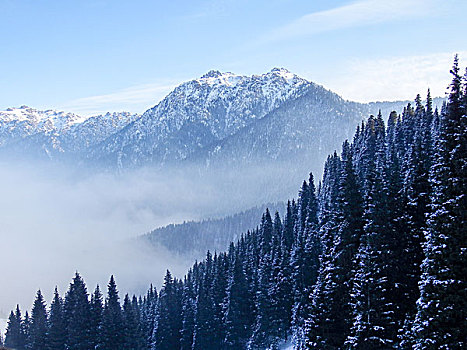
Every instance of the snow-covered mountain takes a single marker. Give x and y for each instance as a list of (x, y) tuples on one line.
[(198, 113), (220, 118), (27, 131)]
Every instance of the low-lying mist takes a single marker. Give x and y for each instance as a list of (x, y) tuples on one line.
[(55, 221)]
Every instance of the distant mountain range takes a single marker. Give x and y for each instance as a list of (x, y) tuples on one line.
[(216, 120)]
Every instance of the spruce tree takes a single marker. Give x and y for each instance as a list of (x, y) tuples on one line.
[(238, 320), (14, 335), (133, 337), (442, 317), (204, 318), (56, 333), (25, 325), (77, 315), (188, 310), (219, 295), (113, 336), (374, 325), (38, 324), (329, 322), (168, 325), (97, 309)]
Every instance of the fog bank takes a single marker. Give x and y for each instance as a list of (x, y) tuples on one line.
[(55, 221)]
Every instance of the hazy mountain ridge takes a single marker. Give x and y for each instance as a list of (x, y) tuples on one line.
[(218, 119), (51, 134), (192, 239), (197, 113)]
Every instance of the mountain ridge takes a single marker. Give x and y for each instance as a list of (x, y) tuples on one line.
[(220, 112)]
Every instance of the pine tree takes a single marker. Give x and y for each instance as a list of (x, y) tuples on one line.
[(219, 295), (112, 321), (97, 309), (238, 321), (149, 314), (168, 324), (131, 327), (204, 318), (280, 292), (329, 324), (305, 262), (188, 309), (14, 335), (261, 336), (442, 317), (56, 333), (77, 315), (374, 325), (38, 324), (25, 325)]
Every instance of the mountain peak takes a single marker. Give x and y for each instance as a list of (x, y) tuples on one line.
[(212, 74), (282, 72), (279, 70)]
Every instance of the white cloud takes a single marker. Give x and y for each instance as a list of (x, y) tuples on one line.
[(393, 78), (356, 14), (133, 99)]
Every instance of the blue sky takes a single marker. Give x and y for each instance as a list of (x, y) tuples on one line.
[(93, 56)]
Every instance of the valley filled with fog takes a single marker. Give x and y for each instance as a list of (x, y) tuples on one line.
[(57, 220)]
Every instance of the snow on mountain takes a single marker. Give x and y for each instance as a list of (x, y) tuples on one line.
[(300, 133), (198, 113), (217, 118), (25, 121), (32, 132)]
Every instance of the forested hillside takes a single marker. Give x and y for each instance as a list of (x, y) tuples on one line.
[(373, 258), (191, 239)]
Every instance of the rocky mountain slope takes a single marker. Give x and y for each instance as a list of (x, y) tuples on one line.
[(197, 114), (219, 119), (50, 134)]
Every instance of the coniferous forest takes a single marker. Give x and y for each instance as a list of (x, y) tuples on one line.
[(373, 256)]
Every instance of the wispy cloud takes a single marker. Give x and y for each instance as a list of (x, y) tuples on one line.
[(394, 78), (133, 99), (356, 14)]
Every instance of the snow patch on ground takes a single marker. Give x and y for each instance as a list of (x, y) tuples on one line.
[(286, 346)]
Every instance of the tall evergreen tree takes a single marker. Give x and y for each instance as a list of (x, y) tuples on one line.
[(38, 324), (329, 322), (188, 309), (25, 325), (56, 333), (77, 315), (113, 336), (14, 335), (97, 309), (168, 324), (238, 320), (204, 318), (442, 317), (131, 327)]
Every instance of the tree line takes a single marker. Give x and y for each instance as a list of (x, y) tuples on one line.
[(373, 258)]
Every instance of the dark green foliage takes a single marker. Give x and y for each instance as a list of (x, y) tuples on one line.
[(238, 315), (56, 334), (330, 314), (97, 309), (77, 313), (167, 331), (15, 337), (37, 339), (112, 330), (133, 335), (441, 320)]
